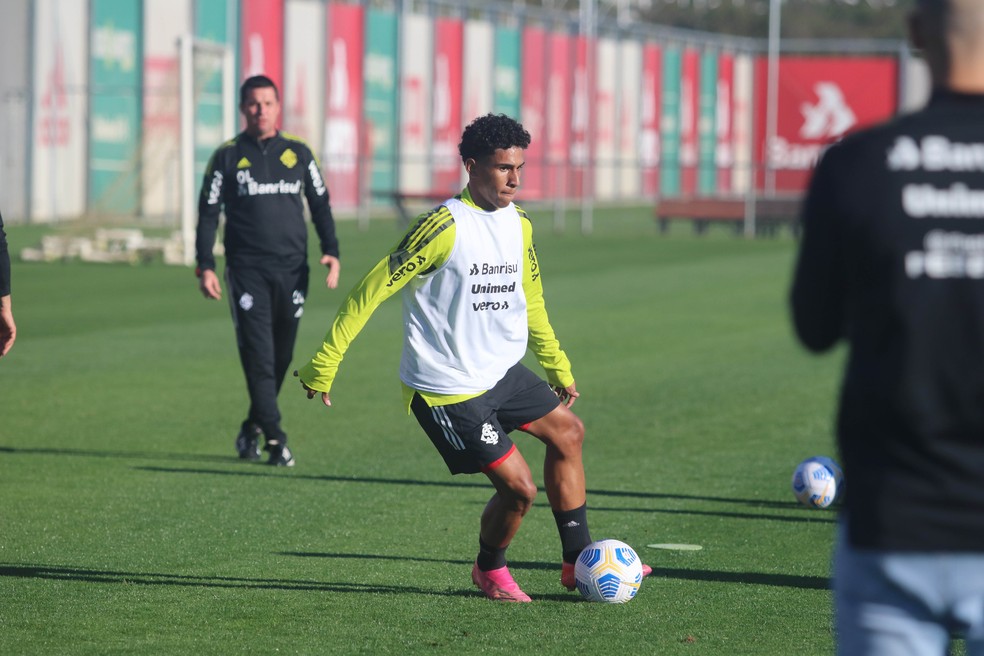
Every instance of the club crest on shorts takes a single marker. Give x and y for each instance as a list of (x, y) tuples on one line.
[(489, 434), (246, 301)]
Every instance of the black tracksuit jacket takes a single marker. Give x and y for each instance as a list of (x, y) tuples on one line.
[(261, 186)]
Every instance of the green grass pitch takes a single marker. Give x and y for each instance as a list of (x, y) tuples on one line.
[(128, 526)]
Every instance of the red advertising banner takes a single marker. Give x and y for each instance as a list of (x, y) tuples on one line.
[(580, 153), (560, 84), (446, 118), (343, 102), (262, 41), (690, 70), (820, 99), (534, 105), (649, 117), (724, 152)]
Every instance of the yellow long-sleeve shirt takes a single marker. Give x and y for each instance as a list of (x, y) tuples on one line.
[(426, 246)]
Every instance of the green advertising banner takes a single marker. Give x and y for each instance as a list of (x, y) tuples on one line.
[(707, 124), (114, 106), (669, 179), (506, 96), (215, 22), (380, 99)]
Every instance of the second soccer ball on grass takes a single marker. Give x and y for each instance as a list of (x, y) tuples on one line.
[(817, 482)]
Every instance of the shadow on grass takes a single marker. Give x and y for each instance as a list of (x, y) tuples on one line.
[(113, 577), (805, 514), (484, 485), (811, 516), (103, 576), (748, 578), (87, 575), (513, 564), (127, 455)]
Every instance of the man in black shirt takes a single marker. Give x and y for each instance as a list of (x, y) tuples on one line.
[(892, 262), (260, 177), (8, 330)]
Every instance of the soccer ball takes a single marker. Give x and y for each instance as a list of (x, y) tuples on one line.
[(608, 571), (817, 481)]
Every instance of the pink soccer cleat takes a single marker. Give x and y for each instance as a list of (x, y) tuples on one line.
[(498, 585), (567, 574)]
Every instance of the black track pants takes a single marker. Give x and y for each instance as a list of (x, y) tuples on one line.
[(266, 311)]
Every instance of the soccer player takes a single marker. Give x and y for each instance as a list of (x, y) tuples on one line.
[(260, 177), (472, 304), (8, 329), (892, 263)]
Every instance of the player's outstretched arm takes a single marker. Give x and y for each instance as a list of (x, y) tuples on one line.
[(542, 340), (388, 277)]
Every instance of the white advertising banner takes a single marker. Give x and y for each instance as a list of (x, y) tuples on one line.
[(415, 103), (15, 35), (303, 102), (479, 74), (479, 63), (741, 127), (606, 119), (629, 105), (479, 70), (58, 135), (164, 22)]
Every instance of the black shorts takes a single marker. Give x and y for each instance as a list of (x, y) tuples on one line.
[(472, 435)]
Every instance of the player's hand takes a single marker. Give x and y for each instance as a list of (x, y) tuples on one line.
[(8, 329), (334, 270), (209, 285), (567, 395), (310, 392)]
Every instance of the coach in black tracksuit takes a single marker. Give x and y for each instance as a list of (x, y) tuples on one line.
[(260, 177), (892, 262)]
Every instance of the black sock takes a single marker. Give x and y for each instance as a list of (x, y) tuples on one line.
[(490, 557), (574, 533)]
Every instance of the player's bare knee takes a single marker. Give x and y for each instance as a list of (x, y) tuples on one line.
[(571, 436), (522, 495)]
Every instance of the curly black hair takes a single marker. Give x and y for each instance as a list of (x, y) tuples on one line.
[(488, 133)]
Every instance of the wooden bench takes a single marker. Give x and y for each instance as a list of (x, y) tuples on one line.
[(769, 212)]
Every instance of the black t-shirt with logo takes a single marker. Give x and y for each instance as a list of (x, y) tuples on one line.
[(892, 262), (260, 185)]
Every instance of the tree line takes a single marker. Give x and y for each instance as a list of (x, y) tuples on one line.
[(800, 19)]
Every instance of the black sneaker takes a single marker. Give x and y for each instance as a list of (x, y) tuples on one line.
[(248, 443), (280, 456)]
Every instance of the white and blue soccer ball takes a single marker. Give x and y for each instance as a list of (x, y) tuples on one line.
[(609, 571), (817, 482)]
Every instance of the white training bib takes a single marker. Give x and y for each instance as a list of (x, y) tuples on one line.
[(466, 321)]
